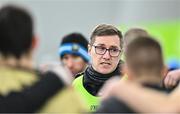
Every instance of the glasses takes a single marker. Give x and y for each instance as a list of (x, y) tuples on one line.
[(114, 52)]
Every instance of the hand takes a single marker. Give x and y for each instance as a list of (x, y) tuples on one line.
[(172, 78), (109, 88), (61, 71)]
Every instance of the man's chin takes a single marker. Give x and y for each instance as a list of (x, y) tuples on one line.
[(74, 73), (105, 71)]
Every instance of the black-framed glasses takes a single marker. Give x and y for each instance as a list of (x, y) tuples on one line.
[(114, 52)]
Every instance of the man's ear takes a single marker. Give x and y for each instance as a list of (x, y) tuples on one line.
[(34, 42), (164, 71), (124, 69), (127, 72)]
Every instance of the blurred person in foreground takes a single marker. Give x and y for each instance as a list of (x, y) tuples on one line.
[(130, 35), (22, 88), (144, 100), (171, 79)]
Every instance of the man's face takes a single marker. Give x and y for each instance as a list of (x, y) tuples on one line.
[(105, 63), (74, 63)]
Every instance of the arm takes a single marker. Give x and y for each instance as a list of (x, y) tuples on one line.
[(113, 105), (32, 98), (143, 99), (172, 78)]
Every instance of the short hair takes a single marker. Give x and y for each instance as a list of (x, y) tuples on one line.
[(134, 33), (144, 56), (16, 31), (106, 30)]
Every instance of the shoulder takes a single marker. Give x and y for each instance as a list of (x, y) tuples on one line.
[(114, 105)]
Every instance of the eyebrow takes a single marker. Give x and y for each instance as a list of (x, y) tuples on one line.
[(105, 45)]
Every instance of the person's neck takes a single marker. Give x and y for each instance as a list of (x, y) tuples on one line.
[(148, 79), (25, 61)]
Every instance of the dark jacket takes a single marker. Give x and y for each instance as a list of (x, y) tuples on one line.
[(93, 80), (27, 94), (114, 105)]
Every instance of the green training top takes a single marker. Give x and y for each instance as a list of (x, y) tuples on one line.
[(91, 101)]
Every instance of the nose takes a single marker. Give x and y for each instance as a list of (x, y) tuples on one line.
[(69, 63), (106, 55)]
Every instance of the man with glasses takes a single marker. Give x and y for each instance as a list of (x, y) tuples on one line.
[(105, 49)]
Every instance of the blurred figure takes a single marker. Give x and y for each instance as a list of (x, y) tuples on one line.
[(73, 52), (144, 65), (105, 49), (129, 36), (171, 79), (22, 89), (132, 34), (145, 100)]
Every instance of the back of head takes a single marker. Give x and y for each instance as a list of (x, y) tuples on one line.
[(74, 43), (16, 31), (106, 30), (134, 33), (144, 57)]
